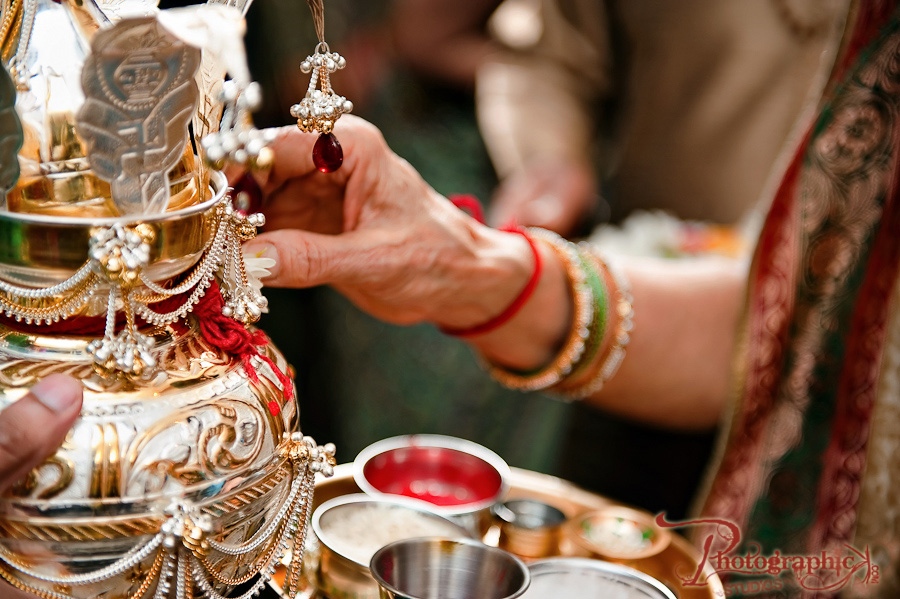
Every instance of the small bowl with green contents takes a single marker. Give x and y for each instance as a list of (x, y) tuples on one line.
[(618, 534)]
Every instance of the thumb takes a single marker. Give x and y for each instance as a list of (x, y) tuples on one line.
[(33, 427), (305, 259)]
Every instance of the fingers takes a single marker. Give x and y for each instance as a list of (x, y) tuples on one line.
[(32, 428), (293, 150), (304, 259), (511, 200), (503, 212), (546, 211)]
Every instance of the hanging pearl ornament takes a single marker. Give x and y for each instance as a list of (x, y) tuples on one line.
[(320, 109)]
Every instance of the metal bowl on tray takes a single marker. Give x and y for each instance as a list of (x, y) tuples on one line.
[(448, 569), (528, 527), (461, 479), (351, 528), (591, 579), (618, 534)]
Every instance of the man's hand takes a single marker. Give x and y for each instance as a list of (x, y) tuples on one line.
[(553, 195), (31, 430)]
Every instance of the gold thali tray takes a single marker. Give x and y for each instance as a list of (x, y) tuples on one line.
[(679, 558)]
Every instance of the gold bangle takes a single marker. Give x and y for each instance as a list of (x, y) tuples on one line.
[(601, 331), (574, 346), (596, 341), (616, 353)]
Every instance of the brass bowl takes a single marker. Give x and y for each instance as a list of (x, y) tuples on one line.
[(39, 250), (528, 527)]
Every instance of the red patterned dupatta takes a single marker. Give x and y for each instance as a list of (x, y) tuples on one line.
[(819, 302)]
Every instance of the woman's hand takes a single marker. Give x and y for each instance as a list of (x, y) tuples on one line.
[(377, 232)]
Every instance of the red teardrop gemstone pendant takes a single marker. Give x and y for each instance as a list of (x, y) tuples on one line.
[(327, 153)]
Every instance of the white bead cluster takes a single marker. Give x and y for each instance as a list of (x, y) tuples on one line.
[(321, 108), (331, 61), (172, 529), (243, 302), (246, 307), (119, 253), (129, 351), (237, 140), (321, 458), (245, 225)]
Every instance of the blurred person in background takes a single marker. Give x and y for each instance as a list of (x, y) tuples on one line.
[(647, 105), (672, 121)]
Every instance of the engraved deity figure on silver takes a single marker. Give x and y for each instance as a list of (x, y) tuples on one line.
[(120, 264)]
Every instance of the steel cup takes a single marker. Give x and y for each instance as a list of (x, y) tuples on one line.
[(528, 527), (429, 568), (347, 576)]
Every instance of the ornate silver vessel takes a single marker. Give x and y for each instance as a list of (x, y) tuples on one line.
[(120, 265)]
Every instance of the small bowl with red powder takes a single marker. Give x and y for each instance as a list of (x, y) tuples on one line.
[(458, 478)]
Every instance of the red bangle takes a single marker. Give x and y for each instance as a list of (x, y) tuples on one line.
[(516, 305)]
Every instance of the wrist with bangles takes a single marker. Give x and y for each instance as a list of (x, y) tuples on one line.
[(576, 342), (601, 370), (587, 360), (593, 349)]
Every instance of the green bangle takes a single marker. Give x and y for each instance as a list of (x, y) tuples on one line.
[(600, 320), (623, 303)]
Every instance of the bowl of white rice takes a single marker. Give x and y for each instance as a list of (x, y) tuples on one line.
[(351, 528)]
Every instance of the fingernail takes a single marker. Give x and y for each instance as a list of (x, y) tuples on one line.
[(58, 392)]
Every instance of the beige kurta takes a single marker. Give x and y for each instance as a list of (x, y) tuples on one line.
[(706, 93)]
